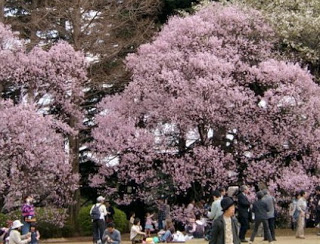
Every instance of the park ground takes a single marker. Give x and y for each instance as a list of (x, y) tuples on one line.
[(284, 236)]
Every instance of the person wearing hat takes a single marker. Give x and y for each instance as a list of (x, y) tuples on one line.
[(98, 213), (224, 228), (15, 237)]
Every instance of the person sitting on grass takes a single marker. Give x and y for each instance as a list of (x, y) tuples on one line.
[(167, 236), (136, 235), (111, 235)]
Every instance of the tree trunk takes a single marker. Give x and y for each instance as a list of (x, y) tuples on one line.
[(33, 24), (76, 23), (74, 139), (2, 11), (74, 160)]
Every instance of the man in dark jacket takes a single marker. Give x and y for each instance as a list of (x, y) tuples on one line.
[(224, 228), (269, 200), (243, 212), (260, 210), (110, 210)]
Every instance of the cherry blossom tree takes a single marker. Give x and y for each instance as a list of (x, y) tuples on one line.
[(33, 158), (51, 82), (209, 105)]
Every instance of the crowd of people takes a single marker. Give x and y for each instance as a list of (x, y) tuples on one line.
[(224, 221), (25, 232), (102, 223)]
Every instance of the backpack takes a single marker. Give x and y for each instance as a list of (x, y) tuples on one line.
[(95, 213)]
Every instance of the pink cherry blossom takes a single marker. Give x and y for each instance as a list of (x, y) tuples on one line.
[(210, 104)]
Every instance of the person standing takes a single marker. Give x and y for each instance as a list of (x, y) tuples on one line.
[(148, 225), (224, 228), (292, 211), (34, 234), (260, 209), (243, 212), (98, 213), (110, 211), (269, 200), (28, 214), (167, 216), (315, 208), (223, 192), (216, 209), (111, 235), (161, 213), (302, 209), (15, 237)]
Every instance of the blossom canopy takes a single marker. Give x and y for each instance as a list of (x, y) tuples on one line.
[(209, 105)]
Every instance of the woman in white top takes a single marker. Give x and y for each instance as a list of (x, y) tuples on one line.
[(15, 236), (302, 208), (98, 219), (136, 235)]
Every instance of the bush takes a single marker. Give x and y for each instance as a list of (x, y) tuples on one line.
[(84, 221), (85, 226), (50, 222), (3, 219), (120, 220)]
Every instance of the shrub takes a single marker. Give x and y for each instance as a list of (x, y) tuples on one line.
[(50, 221), (120, 220), (3, 219), (84, 221)]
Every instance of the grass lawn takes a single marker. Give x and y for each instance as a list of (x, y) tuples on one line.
[(284, 236)]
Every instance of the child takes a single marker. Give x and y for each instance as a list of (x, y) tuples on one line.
[(148, 227), (35, 235)]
